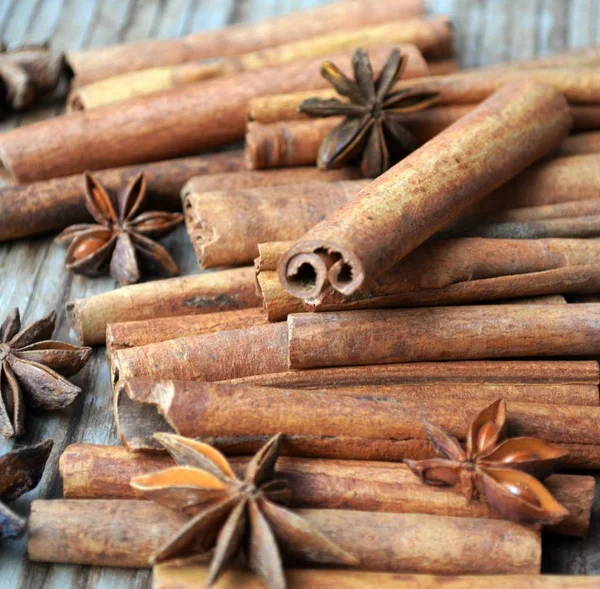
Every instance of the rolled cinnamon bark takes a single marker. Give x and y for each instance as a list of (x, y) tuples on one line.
[(479, 371), (130, 334), (477, 154), (399, 335), (426, 36), (104, 472), (191, 577), (213, 356), (452, 271), (51, 205), (317, 423), (442, 333), (99, 63), (226, 226), (186, 295), (169, 124), (126, 533)]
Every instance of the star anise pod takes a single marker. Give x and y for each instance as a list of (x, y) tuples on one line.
[(20, 471), (231, 515), (372, 130), (26, 73), (505, 472), (120, 239), (28, 361)]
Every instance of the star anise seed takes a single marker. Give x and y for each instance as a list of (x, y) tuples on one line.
[(504, 472), (20, 471), (372, 130), (27, 73), (33, 368), (230, 515), (120, 239)]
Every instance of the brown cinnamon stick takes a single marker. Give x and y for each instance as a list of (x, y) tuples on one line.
[(169, 124), (477, 154), (125, 533), (51, 205), (450, 271), (442, 333), (317, 423), (394, 336), (130, 334), (186, 295), (226, 226), (427, 36), (191, 577), (99, 63), (104, 472)]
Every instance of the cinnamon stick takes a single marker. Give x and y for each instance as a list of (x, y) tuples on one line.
[(450, 271), (51, 205), (130, 334), (186, 295), (442, 333), (105, 62), (191, 577), (399, 335), (226, 226), (169, 124), (425, 36), (125, 533), (317, 423), (476, 155), (479, 371), (104, 472)]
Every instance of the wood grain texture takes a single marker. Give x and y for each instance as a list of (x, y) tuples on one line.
[(487, 32)]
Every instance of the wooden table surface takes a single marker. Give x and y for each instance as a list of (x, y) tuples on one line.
[(33, 277)]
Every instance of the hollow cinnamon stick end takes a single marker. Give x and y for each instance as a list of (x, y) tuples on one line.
[(307, 268), (75, 314), (202, 233)]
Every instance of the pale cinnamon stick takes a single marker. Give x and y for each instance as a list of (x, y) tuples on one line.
[(476, 155), (450, 271), (130, 334), (185, 295), (105, 62), (104, 472), (169, 124), (191, 577), (51, 205), (317, 424), (427, 36), (125, 533)]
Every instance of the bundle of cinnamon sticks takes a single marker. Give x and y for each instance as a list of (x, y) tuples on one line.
[(354, 320)]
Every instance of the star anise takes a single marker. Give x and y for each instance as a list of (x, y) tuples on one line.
[(28, 361), (119, 240), (20, 471), (505, 472), (372, 129), (236, 517), (26, 73)]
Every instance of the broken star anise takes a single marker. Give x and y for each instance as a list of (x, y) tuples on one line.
[(20, 471), (26, 73), (505, 472), (235, 517), (120, 241), (28, 361), (372, 130)]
